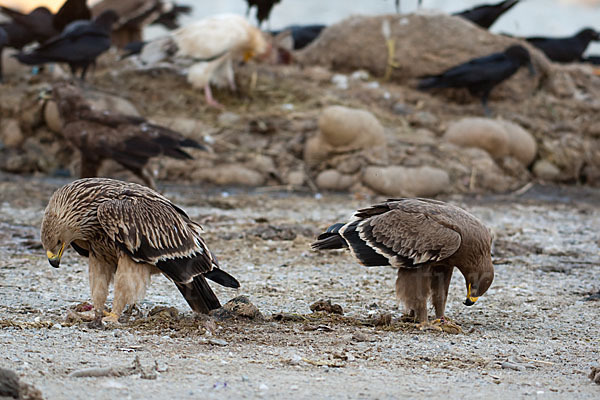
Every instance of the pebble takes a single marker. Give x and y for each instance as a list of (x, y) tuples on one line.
[(515, 367)]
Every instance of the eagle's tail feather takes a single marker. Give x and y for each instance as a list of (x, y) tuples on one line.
[(199, 295)]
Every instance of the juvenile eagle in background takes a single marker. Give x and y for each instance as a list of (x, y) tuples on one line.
[(425, 239), (130, 232), (129, 140)]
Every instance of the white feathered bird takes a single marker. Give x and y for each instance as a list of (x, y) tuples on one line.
[(211, 44)]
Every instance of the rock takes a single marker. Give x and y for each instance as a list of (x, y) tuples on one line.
[(10, 133), (330, 179), (295, 178), (595, 375), (546, 170), (521, 144), (327, 306), (315, 151), (52, 116), (447, 40), (228, 118), (483, 133), (12, 388), (343, 130), (402, 181), (230, 174), (350, 128), (104, 101), (498, 137), (513, 366), (239, 306)]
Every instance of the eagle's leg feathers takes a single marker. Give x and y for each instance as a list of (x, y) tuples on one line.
[(440, 283), (100, 275), (412, 289), (131, 281)]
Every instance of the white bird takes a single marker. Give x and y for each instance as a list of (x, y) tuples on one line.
[(211, 44)]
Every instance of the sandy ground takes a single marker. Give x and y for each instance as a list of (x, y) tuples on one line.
[(532, 335)]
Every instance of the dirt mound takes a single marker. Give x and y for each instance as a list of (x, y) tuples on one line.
[(423, 44)]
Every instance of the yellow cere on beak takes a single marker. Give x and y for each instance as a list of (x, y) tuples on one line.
[(470, 299), (54, 259)]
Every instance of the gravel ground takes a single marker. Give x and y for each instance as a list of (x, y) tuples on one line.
[(533, 334)]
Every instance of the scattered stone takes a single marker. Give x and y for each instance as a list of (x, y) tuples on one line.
[(295, 178), (331, 179), (546, 170), (595, 375), (218, 342), (228, 119), (498, 137), (327, 306), (239, 306), (96, 372), (350, 128), (513, 366), (406, 182), (229, 174), (9, 383), (52, 117), (384, 319), (10, 133), (163, 312)]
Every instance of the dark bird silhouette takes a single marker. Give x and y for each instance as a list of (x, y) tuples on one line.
[(424, 239), (130, 141), (566, 49), (133, 48), (485, 15), (71, 10), (481, 75), (263, 9), (591, 59), (169, 17), (79, 44), (302, 35), (35, 26)]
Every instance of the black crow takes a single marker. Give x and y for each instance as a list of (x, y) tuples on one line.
[(263, 9), (568, 49), (27, 28), (485, 15), (80, 43), (302, 35), (133, 48), (592, 59), (480, 75), (71, 10)]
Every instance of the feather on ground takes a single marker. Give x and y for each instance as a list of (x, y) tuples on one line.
[(130, 232), (424, 239)]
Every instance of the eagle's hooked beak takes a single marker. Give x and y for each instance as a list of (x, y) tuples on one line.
[(54, 259), (248, 55), (470, 299)]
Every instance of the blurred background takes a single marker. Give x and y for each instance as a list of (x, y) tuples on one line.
[(530, 18)]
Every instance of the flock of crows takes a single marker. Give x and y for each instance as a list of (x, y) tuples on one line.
[(76, 37), (130, 232)]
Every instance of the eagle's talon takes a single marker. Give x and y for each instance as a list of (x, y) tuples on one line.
[(447, 326), (111, 318), (426, 326)]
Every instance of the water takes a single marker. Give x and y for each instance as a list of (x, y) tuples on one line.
[(528, 18)]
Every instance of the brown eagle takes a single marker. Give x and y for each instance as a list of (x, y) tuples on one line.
[(425, 239), (129, 140), (130, 232)]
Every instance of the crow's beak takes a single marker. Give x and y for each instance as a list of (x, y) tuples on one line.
[(531, 69), (54, 259)]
